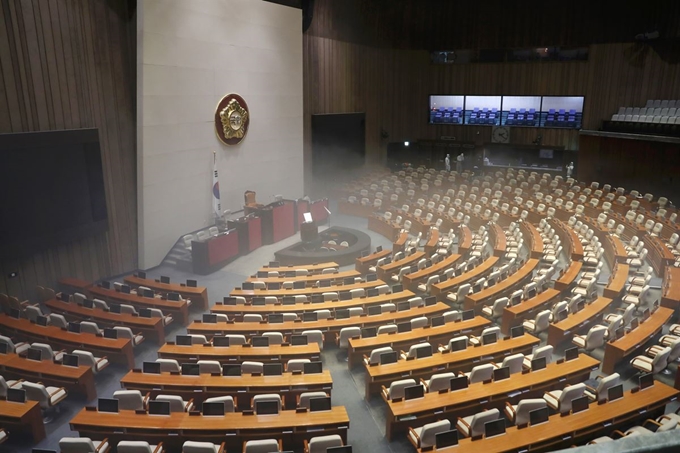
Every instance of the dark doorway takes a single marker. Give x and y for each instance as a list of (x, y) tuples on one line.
[(338, 143)]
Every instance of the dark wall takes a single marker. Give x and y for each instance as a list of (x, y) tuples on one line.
[(69, 64), (491, 24), (644, 164), (347, 70)]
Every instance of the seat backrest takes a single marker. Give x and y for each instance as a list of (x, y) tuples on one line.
[(85, 358), (133, 446), (440, 381), (256, 446), (168, 365), (45, 349), (249, 367), (514, 362), (499, 305), (76, 445), (209, 367), (568, 394), (306, 396), (430, 431), (526, 406), (544, 351), (542, 321), (481, 373), (176, 402), (595, 337), (267, 397), (478, 421), (37, 392), (320, 444), (396, 389), (389, 328), (228, 402), (274, 337), (660, 361), (605, 383), (130, 400)]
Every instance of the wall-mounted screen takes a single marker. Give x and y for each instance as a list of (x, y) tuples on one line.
[(482, 110), (521, 111), (562, 111), (527, 111), (53, 189), (447, 109)]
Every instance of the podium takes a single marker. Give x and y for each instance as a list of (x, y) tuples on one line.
[(278, 221), (213, 253), (309, 231), (249, 230)]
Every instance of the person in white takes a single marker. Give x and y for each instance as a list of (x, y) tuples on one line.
[(459, 162), (570, 169), (447, 163)]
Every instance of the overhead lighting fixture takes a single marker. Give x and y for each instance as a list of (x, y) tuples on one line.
[(406, 143)]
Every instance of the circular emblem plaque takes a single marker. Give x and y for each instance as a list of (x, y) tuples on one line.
[(231, 119)]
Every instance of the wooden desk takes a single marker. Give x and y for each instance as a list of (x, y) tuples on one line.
[(250, 293), (400, 242), (569, 276), (561, 432), (418, 224), (119, 350), (383, 227), (658, 254), (364, 262), (23, 417), (464, 240), (568, 238), (478, 300), (315, 268), (500, 241), (309, 279), (242, 387), (237, 311), (634, 340), (329, 326), (670, 295), (578, 322), (532, 238), (434, 335), (198, 295), (74, 284), (179, 310), (443, 288), (386, 270), (76, 379), (456, 361), (233, 428), (238, 353), (513, 316), (617, 281), (150, 327), (435, 406), (431, 245), (411, 280)]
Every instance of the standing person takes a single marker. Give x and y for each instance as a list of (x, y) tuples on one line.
[(447, 163), (570, 169), (459, 162)]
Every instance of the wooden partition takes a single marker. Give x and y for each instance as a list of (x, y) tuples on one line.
[(71, 65)]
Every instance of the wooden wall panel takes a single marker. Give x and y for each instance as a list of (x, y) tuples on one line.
[(491, 24), (392, 87), (634, 162), (69, 64)]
